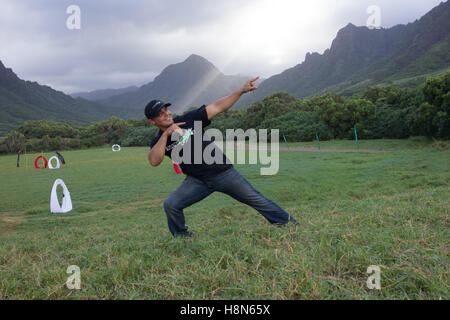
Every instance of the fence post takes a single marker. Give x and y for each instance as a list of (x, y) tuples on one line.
[(356, 138), (318, 142), (285, 141)]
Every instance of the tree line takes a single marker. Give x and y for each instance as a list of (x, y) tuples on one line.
[(377, 112)]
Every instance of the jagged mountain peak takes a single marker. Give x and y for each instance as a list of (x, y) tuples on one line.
[(350, 26), (199, 62), (196, 58), (194, 64), (311, 56), (6, 74), (4, 69)]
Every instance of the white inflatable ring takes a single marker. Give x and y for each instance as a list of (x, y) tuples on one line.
[(113, 148), (66, 205), (50, 166)]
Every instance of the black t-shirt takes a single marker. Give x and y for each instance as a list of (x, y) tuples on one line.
[(200, 170)]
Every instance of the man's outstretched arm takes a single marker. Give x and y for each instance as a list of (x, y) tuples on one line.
[(226, 103)]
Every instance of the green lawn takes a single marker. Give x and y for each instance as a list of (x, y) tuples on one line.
[(389, 209)]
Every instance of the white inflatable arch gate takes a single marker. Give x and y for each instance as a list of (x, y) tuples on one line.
[(50, 165), (66, 201)]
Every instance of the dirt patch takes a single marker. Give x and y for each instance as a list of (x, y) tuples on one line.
[(297, 149), (9, 224), (330, 150)]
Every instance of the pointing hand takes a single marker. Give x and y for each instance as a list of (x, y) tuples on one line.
[(249, 86), (174, 128)]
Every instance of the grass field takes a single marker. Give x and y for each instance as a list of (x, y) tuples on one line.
[(388, 209)]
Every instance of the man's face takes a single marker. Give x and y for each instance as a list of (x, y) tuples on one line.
[(164, 119)]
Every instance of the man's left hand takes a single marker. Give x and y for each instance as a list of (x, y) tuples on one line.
[(249, 86), (224, 104)]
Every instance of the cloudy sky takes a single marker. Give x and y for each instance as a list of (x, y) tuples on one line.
[(129, 42)]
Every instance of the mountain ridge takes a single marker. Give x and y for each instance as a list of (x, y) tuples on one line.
[(358, 57), (102, 93), (22, 100), (359, 54), (192, 82)]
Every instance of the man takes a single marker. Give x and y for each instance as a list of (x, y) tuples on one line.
[(202, 178)]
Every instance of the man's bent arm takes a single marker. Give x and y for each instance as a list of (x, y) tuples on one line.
[(156, 154), (226, 103)]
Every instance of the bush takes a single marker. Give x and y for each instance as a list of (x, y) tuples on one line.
[(95, 141), (389, 123), (41, 128), (432, 117), (14, 142), (74, 143), (299, 126), (223, 124), (139, 136)]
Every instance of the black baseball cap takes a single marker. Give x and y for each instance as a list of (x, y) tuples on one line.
[(154, 107)]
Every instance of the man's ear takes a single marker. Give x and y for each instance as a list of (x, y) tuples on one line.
[(151, 121)]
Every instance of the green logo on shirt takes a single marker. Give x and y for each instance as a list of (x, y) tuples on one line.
[(186, 136)]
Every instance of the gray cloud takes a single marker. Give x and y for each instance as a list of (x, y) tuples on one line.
[(125, 43)]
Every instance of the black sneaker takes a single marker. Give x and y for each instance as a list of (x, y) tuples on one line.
[(185, 234), (292, 222)]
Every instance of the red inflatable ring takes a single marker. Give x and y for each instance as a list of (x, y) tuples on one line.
[(36, 162)]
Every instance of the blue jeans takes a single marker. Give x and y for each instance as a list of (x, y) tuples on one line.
[(230, 182)]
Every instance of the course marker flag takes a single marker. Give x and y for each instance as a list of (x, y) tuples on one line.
[(60, 157)]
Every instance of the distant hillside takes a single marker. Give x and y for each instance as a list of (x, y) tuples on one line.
[(193, 82), (103, 93), (25, 100), (359, 57)]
